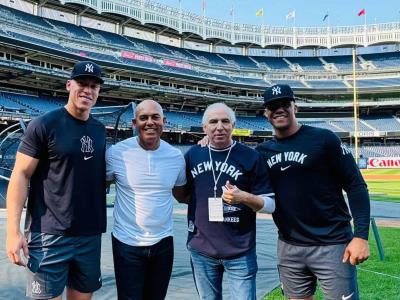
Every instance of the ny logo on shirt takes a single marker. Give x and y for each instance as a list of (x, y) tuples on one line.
[(87, 144), (345, 150), (36, 288)]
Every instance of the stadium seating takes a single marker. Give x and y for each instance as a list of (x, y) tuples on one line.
[(348, 125), (275, 63), (70, 29), (307, 63), (384, 60), (106, 46), (377, 151), (327, 84), (381, 82), (36, 105), (292, 83), (241, 61), (321, 124), (24, 18), (341, 62), (383, 123)]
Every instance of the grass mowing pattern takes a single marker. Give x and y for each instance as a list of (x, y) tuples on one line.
[(381, 190)]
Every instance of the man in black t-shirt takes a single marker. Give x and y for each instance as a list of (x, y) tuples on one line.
[(309, 167), (61, 158)]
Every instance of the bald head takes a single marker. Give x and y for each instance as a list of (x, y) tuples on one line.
[(149, 104), (149, 122)]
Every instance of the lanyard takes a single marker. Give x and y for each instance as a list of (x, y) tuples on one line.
[(220, 170)]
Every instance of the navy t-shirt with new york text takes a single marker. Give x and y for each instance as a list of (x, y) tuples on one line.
[(244, 168)]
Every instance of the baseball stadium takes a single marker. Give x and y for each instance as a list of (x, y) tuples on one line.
[(345, 78)]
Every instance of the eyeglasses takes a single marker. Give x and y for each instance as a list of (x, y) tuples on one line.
[(278, 104)]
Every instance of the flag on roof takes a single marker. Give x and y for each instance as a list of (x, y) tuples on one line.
[(291, 15), (325, 17), (361, 12), (260, 12)]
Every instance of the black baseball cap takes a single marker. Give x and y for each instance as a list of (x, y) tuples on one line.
[(87, 68), (278, 92)]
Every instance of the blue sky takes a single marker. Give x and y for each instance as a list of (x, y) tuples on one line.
[(308, 12)]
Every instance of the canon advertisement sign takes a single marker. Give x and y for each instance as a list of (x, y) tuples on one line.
[(384, 163)]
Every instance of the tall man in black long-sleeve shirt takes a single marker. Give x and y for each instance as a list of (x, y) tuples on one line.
[(309, 168)]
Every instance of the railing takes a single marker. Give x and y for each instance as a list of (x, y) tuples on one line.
[(146, 11)]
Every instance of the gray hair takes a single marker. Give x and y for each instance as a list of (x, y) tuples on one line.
[(228, 110)]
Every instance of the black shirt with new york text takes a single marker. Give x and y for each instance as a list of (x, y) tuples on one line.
[(309, 171)]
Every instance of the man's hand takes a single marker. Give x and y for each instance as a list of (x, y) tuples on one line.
[(14, 244), (204, 141), (232, 194), (356, 251)]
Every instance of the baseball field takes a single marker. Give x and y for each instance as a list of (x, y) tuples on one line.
[(383, 184), (377, 279)]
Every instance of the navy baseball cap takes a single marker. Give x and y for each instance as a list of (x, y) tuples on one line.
[(278, 92), (87, 68)]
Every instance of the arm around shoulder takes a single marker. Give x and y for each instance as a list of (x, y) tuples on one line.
[(181, 193)]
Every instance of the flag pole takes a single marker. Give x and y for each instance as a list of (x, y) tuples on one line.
[(329, 20), (365, 19), (262, 29), (294, 19), (180, 16), (203, 4), (355, 106), (233, 23)]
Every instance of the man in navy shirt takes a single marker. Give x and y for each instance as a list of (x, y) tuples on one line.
[(229, 183), (309, 168), (61, 157)]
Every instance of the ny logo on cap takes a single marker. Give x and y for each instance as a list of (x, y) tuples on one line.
[(276, 90), (89, 68)]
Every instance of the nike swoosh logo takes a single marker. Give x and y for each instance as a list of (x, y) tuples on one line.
[(285, 168), (87, 157), (347, 297)]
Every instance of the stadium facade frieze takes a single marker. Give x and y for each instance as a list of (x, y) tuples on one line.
[(149, 12)]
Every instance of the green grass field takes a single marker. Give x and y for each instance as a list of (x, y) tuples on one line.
[(374, 286), (383, 190)]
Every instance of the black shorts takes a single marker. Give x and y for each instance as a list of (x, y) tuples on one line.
[(57, 261)]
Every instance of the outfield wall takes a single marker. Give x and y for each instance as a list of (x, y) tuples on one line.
[(384, 163)]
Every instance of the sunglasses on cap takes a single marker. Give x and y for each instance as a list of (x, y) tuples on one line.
[(285, 103)]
